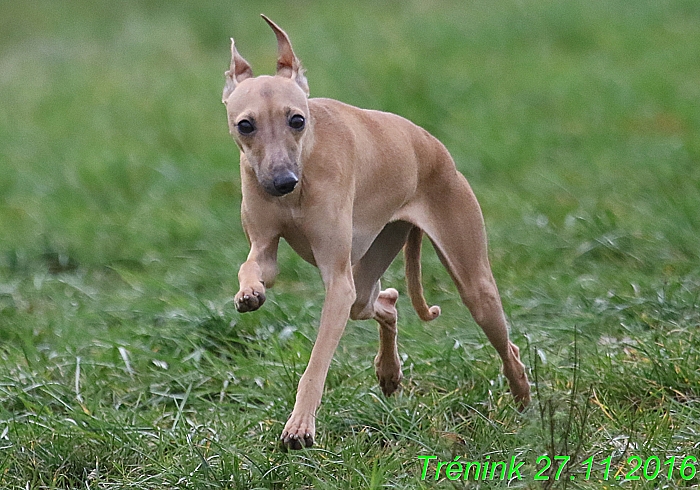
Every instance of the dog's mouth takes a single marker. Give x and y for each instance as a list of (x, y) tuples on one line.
[(283, 183)]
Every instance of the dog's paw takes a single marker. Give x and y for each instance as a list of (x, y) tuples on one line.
[(249, 299), (517, 378), (389, 384), (298, 432), (389, 374)]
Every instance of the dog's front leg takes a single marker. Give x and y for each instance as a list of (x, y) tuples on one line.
[(340, 295), (257, 272)]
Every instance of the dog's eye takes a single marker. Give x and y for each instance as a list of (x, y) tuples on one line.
[(297, 122), (245, 126)]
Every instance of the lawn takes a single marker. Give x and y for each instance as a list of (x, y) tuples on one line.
[(123, 363)]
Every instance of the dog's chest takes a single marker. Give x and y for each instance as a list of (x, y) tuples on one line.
[(296, 234)]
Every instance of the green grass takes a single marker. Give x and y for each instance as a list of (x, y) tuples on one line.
[(123, 363)]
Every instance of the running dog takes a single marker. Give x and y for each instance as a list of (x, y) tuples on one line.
[(348, 188)]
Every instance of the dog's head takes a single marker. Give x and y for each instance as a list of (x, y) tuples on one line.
[(268, 116)]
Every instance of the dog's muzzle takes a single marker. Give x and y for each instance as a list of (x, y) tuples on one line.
[(284, 183)]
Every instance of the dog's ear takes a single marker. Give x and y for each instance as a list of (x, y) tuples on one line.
[(288, 65), (239, 71)]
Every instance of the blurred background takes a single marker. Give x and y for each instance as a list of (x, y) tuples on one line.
[(122, 360), (575, 119)]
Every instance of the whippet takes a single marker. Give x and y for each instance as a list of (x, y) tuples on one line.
[(348, 188)]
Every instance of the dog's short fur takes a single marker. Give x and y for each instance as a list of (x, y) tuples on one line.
[(348, 189)]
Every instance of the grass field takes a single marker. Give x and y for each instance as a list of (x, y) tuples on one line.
[(123, 363)]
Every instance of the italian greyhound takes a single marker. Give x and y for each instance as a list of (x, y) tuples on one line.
[(348, 188)]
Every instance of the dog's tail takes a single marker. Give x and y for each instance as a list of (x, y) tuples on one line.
[(413, 276)]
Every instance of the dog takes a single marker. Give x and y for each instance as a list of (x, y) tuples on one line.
[(348, 188)]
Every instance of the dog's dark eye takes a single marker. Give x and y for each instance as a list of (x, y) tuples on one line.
[(245, 126), (297, 122)]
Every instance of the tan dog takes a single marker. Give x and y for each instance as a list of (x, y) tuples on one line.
[(348, 188)]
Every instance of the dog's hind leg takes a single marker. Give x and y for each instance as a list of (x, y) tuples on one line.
[(454, 224), (380, 305)]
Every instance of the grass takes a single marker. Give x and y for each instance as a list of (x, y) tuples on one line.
[(122, 361)]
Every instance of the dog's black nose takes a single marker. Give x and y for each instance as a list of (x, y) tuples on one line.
[(285, 182)]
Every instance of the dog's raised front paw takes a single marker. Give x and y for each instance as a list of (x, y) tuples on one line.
[(298, 432), (249, 299)]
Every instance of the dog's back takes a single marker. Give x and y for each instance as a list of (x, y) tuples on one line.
[(367, 138)]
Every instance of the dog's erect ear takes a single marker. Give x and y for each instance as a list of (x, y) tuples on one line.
[(288, 65), (239, 71)]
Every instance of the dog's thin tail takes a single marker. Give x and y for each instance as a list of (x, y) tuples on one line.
[(413, 276)]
